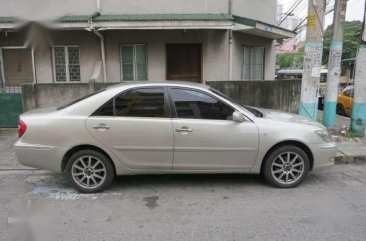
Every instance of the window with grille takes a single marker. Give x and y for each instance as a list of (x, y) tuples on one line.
[(253, 63), (134, 62), (66, 63)]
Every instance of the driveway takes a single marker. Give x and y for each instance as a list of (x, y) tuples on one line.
[(329, 205)]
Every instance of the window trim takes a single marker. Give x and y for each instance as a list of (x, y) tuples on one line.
[(66, 46), (166, 103), (243, 62), (133, 45), (174, 111)]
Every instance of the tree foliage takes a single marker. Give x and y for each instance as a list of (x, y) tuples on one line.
[(352, 35), (290, 60)]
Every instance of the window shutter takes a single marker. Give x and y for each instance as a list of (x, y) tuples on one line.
[(60, 64), (74, 63), (127, 63), (141, 65)]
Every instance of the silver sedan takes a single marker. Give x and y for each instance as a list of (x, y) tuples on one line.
[(169, 127)]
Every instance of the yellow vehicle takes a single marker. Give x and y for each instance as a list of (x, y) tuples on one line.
[(344, 101)]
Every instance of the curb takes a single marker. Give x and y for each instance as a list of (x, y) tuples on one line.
[(345, 159)]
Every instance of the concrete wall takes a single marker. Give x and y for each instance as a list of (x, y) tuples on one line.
[(264, 10), (281, 95), (54, 95)]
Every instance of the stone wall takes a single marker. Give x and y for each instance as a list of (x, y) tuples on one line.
[(281, 95)]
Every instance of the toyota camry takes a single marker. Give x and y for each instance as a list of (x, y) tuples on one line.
[(169, 128)]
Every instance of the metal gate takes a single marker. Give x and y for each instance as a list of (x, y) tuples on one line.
[(10, 106)]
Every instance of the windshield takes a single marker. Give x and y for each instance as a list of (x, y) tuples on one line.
[(252, 110), (78, 100)]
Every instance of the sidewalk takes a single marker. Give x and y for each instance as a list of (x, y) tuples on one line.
[(350, 150)]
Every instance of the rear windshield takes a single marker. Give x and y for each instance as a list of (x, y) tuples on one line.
[(78, 100)]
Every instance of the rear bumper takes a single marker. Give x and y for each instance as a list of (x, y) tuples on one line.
[(39, 156), (324, 154)]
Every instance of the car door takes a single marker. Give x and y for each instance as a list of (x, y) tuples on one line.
[(348, 101), (205, 137), (136, 126)]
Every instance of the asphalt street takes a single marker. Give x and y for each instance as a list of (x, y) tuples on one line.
[(329, 205)]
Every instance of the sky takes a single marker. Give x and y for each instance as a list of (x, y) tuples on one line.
[(355, 9)]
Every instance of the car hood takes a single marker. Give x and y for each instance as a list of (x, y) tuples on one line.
[(288, 117)]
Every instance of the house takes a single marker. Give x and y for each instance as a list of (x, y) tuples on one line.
[(51, 41)]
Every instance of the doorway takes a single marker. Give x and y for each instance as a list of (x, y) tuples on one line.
[(184, 62)]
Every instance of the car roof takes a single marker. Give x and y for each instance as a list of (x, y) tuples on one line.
[(159, 83)]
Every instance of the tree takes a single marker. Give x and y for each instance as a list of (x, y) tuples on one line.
[(290, 60), (352, 35)]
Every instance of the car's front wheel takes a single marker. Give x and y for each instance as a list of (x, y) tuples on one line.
[(286, 166), (89, 171)]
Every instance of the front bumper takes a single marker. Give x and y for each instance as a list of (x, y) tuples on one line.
[(39, 156), (324, 154)]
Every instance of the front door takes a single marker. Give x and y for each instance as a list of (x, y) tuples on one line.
[(184, 62), (205, 136), (136, 127)]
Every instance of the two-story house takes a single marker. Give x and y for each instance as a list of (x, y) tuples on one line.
[(45, 41)]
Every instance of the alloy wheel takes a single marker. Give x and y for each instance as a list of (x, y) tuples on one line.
[(287, 168), (88, 172)]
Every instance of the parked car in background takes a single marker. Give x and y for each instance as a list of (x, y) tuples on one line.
[(345, 101), (169, 127)]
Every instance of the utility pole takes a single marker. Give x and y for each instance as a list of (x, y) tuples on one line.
[(358, 119), (312, 59), (334, 63)]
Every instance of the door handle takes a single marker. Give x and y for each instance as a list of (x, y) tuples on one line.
[(184, 129), (101, 127)]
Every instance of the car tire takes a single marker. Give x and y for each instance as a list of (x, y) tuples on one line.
[(341, 110), (89, 171), (281, 170)]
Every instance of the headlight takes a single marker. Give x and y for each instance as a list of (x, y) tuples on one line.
[(324, 135)]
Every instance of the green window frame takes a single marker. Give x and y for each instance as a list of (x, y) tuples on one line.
[(133, 62)]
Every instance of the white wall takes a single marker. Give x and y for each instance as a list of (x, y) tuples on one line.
[(89, 45), (214, 51), (264, 10)]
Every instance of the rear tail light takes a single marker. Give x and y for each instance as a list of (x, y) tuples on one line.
[(22, 127)]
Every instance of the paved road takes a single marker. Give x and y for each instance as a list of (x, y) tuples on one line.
[(330, 205)]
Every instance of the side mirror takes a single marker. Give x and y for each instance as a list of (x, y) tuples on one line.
[(238, 117)]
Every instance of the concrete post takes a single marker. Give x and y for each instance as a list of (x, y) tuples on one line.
[(358, 119), (312, 59), (334, 63)]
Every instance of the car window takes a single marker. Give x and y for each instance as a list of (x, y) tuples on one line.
[(144, 102), (348, 93), (197, 105)]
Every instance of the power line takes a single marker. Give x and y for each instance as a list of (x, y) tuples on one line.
[(290, 11)]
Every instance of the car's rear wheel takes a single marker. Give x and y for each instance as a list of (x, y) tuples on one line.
[(286, 167), (89, 171)]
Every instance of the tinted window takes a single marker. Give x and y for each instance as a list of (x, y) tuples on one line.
[(197, 105), (348, 93), (105, 110), (141, 103)]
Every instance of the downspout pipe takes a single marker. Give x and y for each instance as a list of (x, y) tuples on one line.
[(101, 37), (230, 57), (102, 51)]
